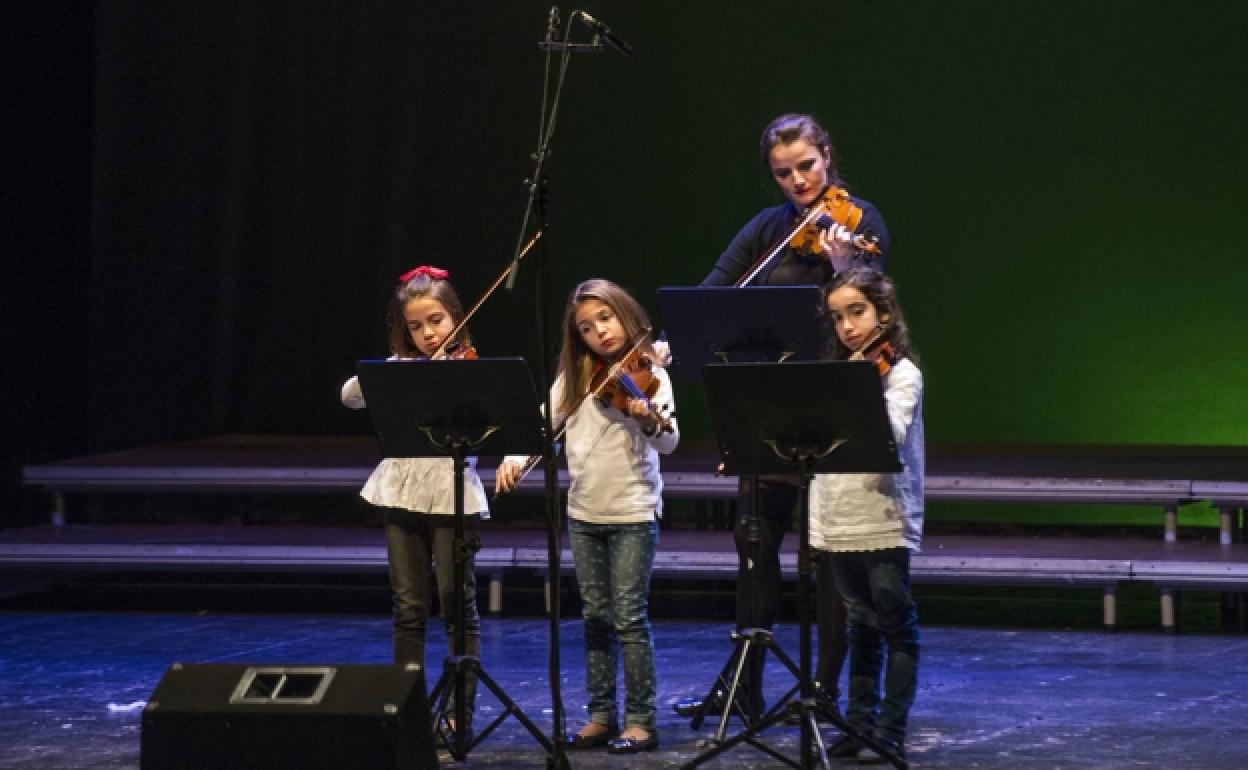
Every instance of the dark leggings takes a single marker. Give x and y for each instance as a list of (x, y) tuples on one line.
[(758, 538)]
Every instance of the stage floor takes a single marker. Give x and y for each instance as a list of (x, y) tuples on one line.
[(74, 685)]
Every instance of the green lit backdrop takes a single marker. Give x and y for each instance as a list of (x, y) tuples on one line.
[(1064, 182)]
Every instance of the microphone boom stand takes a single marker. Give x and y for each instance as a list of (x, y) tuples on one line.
[(554, 42)]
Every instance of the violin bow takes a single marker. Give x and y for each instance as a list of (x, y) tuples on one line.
[(441, 351), (814, 213)]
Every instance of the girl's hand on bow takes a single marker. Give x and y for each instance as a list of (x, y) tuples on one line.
[(506, 477)]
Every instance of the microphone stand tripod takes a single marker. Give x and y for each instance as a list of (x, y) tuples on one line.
[(556, 41)]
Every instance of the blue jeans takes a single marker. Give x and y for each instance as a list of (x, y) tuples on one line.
[(882, 614), (613, 565)]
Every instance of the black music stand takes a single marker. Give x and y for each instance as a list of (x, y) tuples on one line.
[(727, 324), (452, 409), (839, 424)]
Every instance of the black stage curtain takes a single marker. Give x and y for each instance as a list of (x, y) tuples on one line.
[(45, 199), (255, 163)]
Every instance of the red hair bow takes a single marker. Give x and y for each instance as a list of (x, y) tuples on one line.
[(436, 273)]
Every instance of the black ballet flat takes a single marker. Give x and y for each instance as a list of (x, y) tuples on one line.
[(633, 745)]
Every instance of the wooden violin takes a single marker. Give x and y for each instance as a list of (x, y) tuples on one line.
[(459, 351), (834, 207), (633, 379), (878, 351)]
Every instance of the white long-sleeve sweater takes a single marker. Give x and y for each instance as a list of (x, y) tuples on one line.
[(873, 511), (613, 465)]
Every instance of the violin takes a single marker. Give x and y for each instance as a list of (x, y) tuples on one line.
[(878, 351), (834, 207), (633, 378), (460, 351)]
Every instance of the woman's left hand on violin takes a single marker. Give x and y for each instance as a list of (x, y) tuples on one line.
[(835, 243)]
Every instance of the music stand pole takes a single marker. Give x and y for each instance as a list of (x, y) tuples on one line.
[(771, 324), (459, 666)]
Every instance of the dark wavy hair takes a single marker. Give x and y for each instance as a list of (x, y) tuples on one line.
[(880, 291), (792, 126)]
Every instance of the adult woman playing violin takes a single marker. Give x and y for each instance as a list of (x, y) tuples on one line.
[(801, 159)]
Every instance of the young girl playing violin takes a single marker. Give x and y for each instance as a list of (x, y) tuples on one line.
[(417, 493), (866, 524), (801, 160), (614, 502)]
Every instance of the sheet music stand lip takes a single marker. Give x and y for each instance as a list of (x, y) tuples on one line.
[(763, 412), (468, 397), (727, 324)]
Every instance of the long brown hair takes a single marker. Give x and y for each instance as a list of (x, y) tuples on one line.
[(422, 285), (576, 361), (881, 292)]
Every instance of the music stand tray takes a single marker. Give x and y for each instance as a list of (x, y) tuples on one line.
[(727, 324), (801, 419), (835, 409), (449, 409)]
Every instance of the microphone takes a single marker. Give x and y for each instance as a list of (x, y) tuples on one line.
[(604, 32)]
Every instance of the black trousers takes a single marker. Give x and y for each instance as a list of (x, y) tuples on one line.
[(764, 513)]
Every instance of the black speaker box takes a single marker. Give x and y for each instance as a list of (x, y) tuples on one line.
[(288, 716)]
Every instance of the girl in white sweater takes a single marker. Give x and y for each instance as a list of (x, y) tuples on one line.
[(614, 503), (865, 525)]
